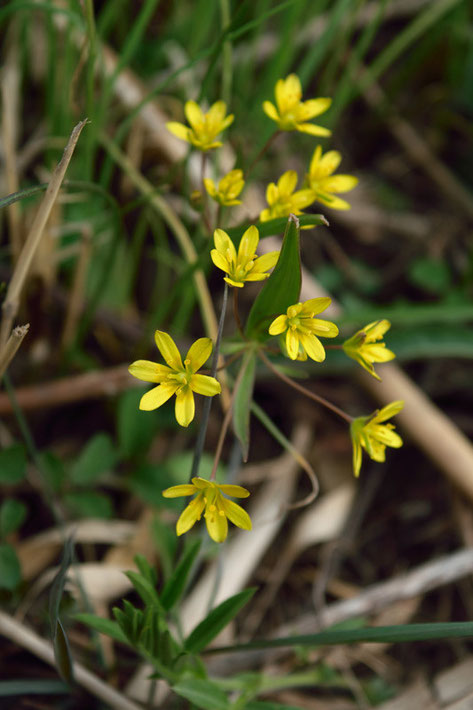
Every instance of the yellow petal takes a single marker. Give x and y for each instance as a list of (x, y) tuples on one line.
[(158, 396), (194, 114), (231, 282), (217, 525), (248, 244), (216, 115), (278, 325), (226, 122), (198, 353), (390, 410), (231, 489), (376, 330), (378, 353), (339, 183), (179, 130), (271, 110), (265, 262), (219, 260), (292, 343), (190, 515), (314, 107), (335, 203), (265, 215), (168, 349), (149, 371), (357, 457), (328, 164), (302, 199), (386, 436), (312, 129), (210, 187), (236, 514), (203, 384), (185, 406), (202, 483), (186, 489), (224, 244), (325, 328), (287, 182), (315, 305), (313, 347), (314, 163)]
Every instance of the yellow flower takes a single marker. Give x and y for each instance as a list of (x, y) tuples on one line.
[(324, 184), (228, 190), (373, 436), (176, 377), (302, 329), (291, 113), (204, 127), (364, 348), (282, 199), (244, 266), (217, 508)]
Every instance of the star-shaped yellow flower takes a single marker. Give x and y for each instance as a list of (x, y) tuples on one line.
[(217, 507), (365, 348), (370, 434), (176, 377), (302, 329), (282, 199), (324, 184), (228, 189), (204, 127), (292, 114), (244, 265)]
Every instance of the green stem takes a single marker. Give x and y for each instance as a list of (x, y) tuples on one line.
[(199, 444), (236, 313), (226, 53)]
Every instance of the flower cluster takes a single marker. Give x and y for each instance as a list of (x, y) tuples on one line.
[(299, 328)]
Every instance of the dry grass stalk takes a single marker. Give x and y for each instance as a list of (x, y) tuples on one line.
[(12, 299), (76, 301), (11, 346), (10, 115)]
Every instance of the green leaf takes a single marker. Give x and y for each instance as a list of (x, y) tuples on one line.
[(12, 464), (145, 589), (103, 626), (242, 402), (10, 571), (176, 584), (263, 705), (12, 515), (218, 618), (380, 634), (146, 570), (89, 504), (57, 586), (202, 693), (276, 226), (53, 469), (283, 287), (24, 687), (97, 457)]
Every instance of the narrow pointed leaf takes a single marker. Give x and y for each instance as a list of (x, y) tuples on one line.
[(202, 693), (275, 226), (62, 654), (283, 287), (218, 618), (103, 626)]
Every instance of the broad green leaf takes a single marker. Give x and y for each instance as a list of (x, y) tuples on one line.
[(53, 469), (10, 571), (283, 287), (202, 693), (218, 618), (103, 626), (276, 226), (380, 634), (62, 654), (89, 504), (12, 464), (176, 584), (243, 396), (12, 515), (97, 457)]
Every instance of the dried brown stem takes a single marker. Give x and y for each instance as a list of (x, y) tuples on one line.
[(11, 346), (12, 299)]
